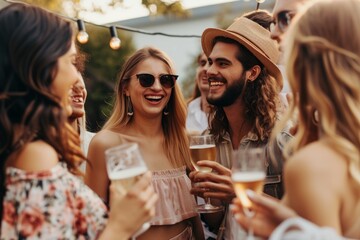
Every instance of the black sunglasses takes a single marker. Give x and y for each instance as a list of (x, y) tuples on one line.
[(283, 20), (147, 80)]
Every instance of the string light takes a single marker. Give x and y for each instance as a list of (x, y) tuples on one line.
[(258, 3), (82, 35), (128, 29), (115, 41)]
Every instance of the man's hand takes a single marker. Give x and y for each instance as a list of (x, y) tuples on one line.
[(215, 185)]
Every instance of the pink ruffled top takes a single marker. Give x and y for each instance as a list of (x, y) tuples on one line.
[(175, 201)]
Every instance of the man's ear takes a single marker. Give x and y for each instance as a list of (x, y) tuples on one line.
[(253, 73)]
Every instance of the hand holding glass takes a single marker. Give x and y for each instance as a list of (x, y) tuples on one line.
[(202, 147), (124, 165), (248, 172)]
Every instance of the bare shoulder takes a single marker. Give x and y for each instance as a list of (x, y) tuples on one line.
[(315, 178), (106, 139), (316, 156), (36, 156), (317, 162), (102, 141)]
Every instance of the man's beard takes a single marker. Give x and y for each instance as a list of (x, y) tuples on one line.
[(231, 93)]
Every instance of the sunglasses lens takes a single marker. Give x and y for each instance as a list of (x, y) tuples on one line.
[(146, 80), (168, 80), (283, 20)]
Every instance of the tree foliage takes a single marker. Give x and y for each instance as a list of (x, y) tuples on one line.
[(74, 8), (223, 20), (103, 65)]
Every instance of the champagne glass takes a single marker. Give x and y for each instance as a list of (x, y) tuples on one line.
[(125, 165), (248, 172), (202, 147)]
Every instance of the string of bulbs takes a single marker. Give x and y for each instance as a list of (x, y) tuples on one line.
[(115, 42)]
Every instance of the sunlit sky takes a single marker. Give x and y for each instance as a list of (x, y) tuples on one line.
[(134, 9)]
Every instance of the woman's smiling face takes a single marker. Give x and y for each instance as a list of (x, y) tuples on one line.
[(149, 101), (65, 77)]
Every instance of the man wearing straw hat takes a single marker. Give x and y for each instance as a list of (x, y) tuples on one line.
[(244, 88)]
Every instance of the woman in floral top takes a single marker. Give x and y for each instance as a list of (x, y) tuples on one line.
[(40, 195)]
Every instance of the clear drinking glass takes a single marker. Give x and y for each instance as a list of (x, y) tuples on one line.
[(248, 172), (202, 147), (125, 165)]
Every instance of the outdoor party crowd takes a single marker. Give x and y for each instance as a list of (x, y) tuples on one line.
[(54, 181)]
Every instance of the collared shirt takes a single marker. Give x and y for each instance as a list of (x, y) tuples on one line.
[(197, 119), (85, 137), (273, 182)]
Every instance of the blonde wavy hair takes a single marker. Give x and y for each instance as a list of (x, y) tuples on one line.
[(324, 75), (176, 143)]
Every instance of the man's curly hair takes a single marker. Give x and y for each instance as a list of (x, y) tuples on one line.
[(260, 96)]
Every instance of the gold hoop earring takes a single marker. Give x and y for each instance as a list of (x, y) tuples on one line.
[(315, 117), (166, 111), (130, 110)]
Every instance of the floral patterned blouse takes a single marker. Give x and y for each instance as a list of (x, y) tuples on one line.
[(50, 204)]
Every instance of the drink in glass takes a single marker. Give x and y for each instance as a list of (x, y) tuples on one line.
[(202, 152), (202, 147), (248, 172), (247, 180), (125, 165), (125, 179)]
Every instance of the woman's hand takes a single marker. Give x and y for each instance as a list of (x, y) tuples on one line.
[(270, 212), (129, 210)]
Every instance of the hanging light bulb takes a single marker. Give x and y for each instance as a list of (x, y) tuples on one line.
[(115, 42), (82, 35), (258, 3)]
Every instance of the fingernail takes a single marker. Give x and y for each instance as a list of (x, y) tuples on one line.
[(197, 184), (250, 193), (232, 207), (237, 216)]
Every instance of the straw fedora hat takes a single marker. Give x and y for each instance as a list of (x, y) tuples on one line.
[(252, 36)]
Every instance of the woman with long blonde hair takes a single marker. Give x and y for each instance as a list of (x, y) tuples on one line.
[(322, 175), (150, 110)]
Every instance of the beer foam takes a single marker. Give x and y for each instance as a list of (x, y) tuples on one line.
[(128, 173), (202, 146), (248, 176)]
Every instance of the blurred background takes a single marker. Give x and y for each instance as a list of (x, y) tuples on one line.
[(139, 24)]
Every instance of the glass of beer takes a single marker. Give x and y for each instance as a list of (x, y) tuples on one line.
[(202, 147), (125, 165), (248, 172)]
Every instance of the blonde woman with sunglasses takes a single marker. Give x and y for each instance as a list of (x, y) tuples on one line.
[(150, 110)]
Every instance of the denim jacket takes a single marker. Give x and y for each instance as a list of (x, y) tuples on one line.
[(273, 182)]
